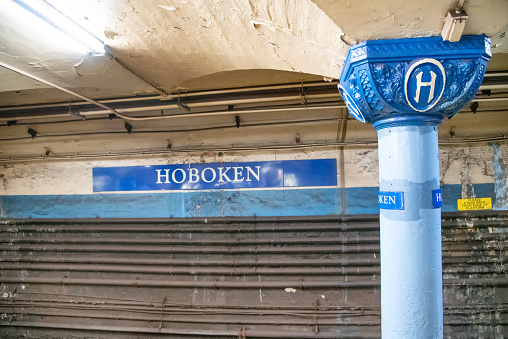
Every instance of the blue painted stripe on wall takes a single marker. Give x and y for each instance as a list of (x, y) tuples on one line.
[(217, 203)]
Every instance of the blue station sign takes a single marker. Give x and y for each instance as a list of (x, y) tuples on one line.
[(390, 200), (232, 175), (437, 198)]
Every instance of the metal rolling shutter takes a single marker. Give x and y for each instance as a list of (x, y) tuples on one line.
[(313, 277)]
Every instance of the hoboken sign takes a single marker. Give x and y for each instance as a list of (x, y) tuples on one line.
[(262, 174)]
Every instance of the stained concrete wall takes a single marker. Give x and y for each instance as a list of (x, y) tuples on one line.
[(63, 188)]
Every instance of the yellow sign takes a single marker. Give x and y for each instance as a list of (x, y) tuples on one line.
[(474, 204)]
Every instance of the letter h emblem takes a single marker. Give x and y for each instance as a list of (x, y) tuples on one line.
[(417, 77), (420, 83)]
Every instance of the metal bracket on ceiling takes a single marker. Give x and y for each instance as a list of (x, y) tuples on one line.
[(32, 132), (128, 127), (303, 98), (165, 96), (474, 107), (181, 104), (77, 113)]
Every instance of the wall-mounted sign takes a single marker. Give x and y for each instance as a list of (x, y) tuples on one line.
[(437, 198), (390, 200), (474, 204), (262, 174)]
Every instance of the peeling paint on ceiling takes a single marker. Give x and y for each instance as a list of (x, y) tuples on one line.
[(195, 45)]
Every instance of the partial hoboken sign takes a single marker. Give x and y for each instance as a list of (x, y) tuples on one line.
[(390, 200), (261, 174), (437, 198)]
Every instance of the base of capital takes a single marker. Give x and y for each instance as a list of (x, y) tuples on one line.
[(408, 120)]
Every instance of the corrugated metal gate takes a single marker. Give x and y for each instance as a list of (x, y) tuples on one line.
[(313, 277)]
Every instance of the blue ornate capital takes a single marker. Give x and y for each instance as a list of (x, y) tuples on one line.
[(412, 81)]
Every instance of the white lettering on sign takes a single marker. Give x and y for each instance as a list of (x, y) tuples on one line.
[(439, 197), (251, 171), (208, 175), (203, 176), (159, 176), (386, 200), (391, 200), (238, 173), (420, 83), (184, 175), (193, 175), (223, 175)]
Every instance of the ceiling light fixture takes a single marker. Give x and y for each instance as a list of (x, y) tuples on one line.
[(64, 24)]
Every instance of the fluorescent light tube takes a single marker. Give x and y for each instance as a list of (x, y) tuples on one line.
[(55, 18)]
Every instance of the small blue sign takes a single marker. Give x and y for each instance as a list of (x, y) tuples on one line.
[(437, 198), (390, 200), (261, 174)]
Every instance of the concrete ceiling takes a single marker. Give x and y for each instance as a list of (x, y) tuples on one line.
[(166, 46), (252, 74)]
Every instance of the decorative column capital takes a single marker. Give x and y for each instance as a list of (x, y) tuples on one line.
[(415, 81)]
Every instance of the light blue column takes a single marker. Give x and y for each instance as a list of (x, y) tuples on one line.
[(405, 88), (411, 273)]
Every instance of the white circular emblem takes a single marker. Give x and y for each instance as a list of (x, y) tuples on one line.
[(354, 110), (424, 84)]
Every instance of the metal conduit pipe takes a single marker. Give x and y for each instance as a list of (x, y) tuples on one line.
[(354, 262), (92, 101), (189, 315), (120, 114), (301, 310), (239, 101), (233, 91), (160, 105), (353, 239), (212, 113), (191, 262), (241, 333), (246, 308), (227, 148), (302, 284), (194, 270), (342, 240), (326, 317), (36, 78), (197, 270), (182, 311), (324, 320), (171, 224), (201, 250), (193, 284), (175, 231), (155, 308), (230, 250), (206, 93), (137, 227)]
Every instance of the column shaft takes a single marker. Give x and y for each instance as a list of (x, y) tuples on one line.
[(411, 266)]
